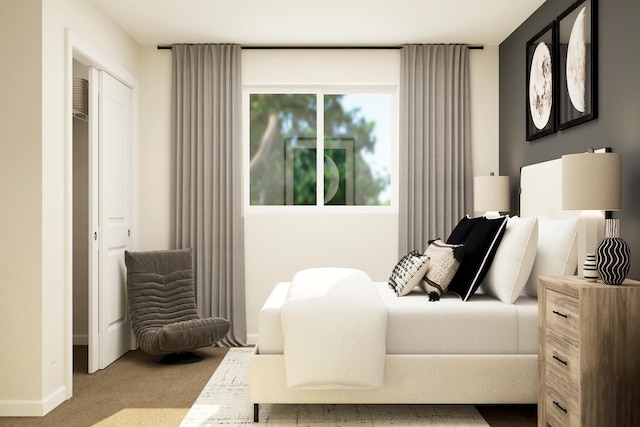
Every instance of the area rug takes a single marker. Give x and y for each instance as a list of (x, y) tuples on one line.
[(225, 401), (145, 417)]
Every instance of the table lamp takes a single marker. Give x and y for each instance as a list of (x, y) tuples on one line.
[(591, 182), (491, 195)]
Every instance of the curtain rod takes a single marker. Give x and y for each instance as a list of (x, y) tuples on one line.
[(473, 47)]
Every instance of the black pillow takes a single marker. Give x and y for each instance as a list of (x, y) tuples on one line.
[(462, 230), (481, 239)]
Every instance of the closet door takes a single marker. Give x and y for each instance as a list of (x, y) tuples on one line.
[(115, 215), (94, 205)]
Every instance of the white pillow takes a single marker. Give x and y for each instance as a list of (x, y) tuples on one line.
[(513, 261), (557, 253)]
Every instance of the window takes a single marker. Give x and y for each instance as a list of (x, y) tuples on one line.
[(333, 143)]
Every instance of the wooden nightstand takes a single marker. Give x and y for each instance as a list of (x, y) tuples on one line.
[(588, 353)]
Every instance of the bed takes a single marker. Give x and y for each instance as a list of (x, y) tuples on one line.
[(479, 351)]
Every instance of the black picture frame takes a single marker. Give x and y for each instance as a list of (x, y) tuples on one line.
[(577, 64), (339, 172), (540, 86)]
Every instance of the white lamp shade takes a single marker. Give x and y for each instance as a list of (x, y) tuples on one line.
[(491, 193), (592, 181)]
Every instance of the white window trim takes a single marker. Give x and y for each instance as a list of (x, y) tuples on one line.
[(320, 91)]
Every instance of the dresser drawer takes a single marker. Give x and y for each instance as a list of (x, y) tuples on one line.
[(588, 366), (562, 315), (561, 409), (562, 362)]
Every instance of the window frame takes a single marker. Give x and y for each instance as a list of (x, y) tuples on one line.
[(320, 91)]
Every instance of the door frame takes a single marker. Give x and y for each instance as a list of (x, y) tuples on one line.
[(79, 49)]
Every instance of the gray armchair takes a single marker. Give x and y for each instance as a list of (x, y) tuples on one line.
[(162, 303)]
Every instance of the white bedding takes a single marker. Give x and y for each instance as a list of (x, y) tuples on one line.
[(333, 328), (483, 325)]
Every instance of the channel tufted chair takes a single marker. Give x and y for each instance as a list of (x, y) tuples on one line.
[(162, 304)]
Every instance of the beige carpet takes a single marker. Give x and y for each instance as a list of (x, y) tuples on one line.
[(133, 387), (225, 401)]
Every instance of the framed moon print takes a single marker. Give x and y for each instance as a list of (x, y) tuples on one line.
[(577, 64), (540, 103)]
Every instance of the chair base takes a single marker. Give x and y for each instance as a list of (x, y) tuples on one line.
[(182, 358)]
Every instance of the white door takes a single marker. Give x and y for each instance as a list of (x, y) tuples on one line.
[(94, 203), (115, 216)]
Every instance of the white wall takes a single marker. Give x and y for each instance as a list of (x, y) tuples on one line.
[(278, 245), (154, 148), (20, 201), (34, 156), (484, 83), (484, 109)]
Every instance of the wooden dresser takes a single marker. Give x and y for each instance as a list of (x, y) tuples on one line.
[(588, 353)]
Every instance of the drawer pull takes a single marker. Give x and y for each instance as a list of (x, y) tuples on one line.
[(563, 409), (560, 360), (560, 314)]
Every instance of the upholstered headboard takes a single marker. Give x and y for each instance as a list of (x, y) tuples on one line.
[(541, 196), (541, 190)]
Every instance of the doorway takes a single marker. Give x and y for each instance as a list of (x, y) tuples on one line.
[(102, 208), (81, 249)]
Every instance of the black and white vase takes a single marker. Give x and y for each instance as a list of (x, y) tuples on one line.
[(612, 255)]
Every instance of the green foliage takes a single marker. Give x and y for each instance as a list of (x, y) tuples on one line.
[(304, 177), (283, 126)]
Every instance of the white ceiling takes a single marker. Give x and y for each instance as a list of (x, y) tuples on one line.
[(319, 22)]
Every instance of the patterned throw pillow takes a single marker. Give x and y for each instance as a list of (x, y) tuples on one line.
[(444, 260), (407, 273)]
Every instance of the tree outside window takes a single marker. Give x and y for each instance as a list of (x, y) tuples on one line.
[(356, 143)]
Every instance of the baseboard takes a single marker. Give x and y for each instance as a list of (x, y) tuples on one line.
[(252, 339), (80, 339), (33, 408)]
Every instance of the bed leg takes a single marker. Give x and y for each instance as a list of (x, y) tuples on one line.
[(256, 412)]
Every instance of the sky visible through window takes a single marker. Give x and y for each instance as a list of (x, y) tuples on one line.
[(375, 107)]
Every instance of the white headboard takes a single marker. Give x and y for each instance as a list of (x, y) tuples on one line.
[(541, 190), (541, 194)]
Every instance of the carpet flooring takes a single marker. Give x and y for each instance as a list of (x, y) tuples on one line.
[(133, 382)]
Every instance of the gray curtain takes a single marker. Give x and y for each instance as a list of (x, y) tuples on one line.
[(435, 149), (206, 177)]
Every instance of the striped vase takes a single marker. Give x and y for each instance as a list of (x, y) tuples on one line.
[(612, 255), (589, 270)]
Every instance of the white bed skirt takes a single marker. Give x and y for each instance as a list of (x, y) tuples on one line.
[(412, 379)]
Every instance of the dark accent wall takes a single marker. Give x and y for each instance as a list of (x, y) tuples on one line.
[(618, 122)]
